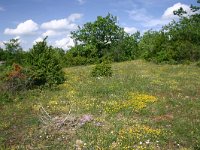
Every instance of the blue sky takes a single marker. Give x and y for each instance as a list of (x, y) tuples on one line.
[(32, 20)]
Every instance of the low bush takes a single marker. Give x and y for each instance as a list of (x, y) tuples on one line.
[(17, 79), (102, 69), (5, 97), (198, 64)]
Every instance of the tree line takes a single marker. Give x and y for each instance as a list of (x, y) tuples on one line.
[(104, 40)]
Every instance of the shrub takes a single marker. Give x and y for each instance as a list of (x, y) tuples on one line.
[(5, 97), (46, 67), (17, 79), (102, 69), (198, 64)]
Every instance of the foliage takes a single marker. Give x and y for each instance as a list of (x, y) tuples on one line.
[(102, 69), (101, 33), (164, 96), (126, 48), (18, 79), (12, 53), (81, 55), (2, 57), (102, 40), (150, 44), (198, 63), (13, 46), (141, 106), (176, 42), (4, 95), (45, 65), (59, 54), (13, 80), (135, 103)]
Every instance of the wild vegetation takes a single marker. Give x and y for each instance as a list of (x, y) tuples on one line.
[(136, 92), (141, 106), (104, 39)]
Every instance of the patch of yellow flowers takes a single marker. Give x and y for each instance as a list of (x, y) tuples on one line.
[(135, 102), (137, 137)]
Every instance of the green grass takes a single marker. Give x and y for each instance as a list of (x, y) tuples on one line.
[(142, 106)]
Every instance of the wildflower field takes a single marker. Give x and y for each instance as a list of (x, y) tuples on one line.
[(141, 106)]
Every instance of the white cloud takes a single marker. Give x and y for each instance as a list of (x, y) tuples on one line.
[(19, 39), (64, 43), (74, 17), (25, 28), (52, 33), (39, 39), (156, 23), (58, 25), (169, 12), (81, 1), (139, 15), (62, 24), (146, 20), (1, 44), (130, 30)]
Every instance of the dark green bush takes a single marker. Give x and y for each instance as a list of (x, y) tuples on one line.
[(5, 97), (198, 64), (81, 55), (46, 68), (102, 69)]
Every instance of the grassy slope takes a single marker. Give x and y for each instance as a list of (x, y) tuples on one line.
[(143, 106)]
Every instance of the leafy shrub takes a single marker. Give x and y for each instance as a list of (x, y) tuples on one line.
[(81, 55), (102, 69), (46, 67), (17, 79), (198, 64), (5, 97), (185, 50), (13, 80)]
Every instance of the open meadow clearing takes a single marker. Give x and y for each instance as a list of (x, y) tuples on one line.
[(142, 106), (100, 75)]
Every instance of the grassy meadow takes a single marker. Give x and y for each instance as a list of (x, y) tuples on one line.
[(142, 106)]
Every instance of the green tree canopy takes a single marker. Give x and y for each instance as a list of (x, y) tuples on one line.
[(13, 46), (13, 52), (178, 41), (101, 33)]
